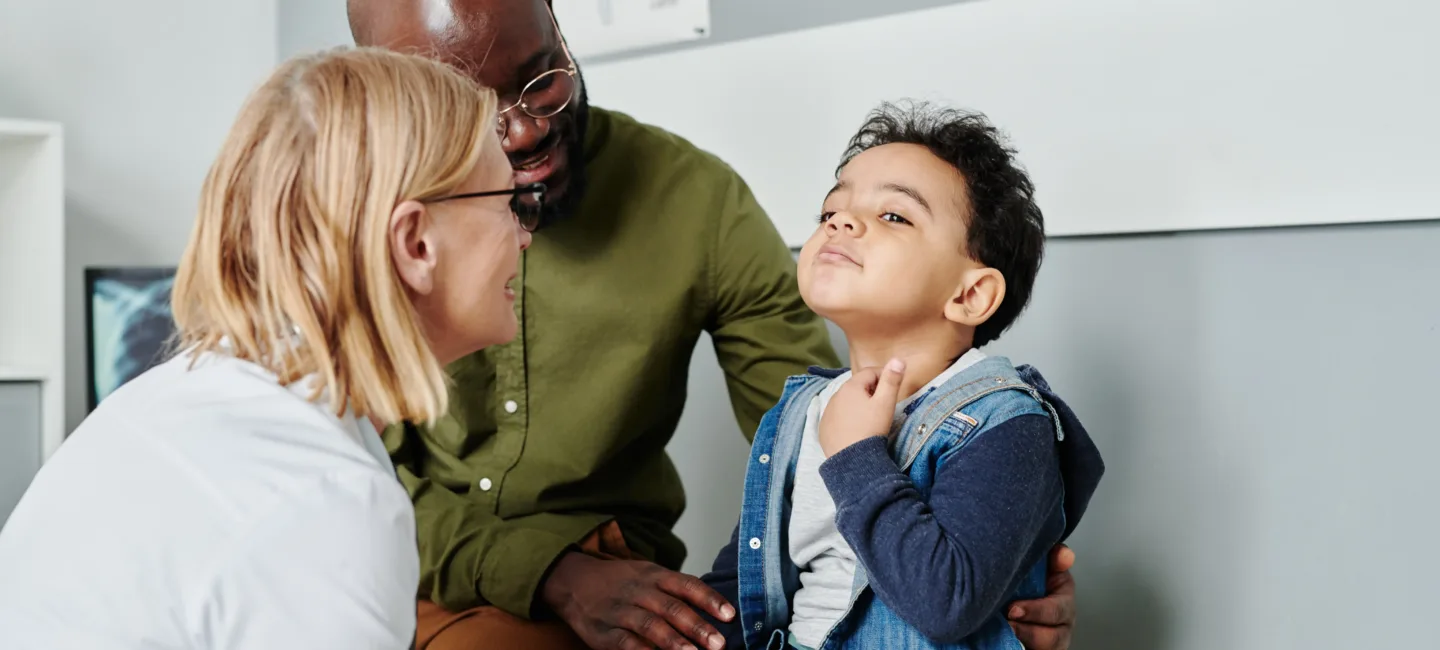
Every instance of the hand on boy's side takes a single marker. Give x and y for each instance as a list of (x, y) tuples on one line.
[(863, 408), (628, 605), (1046, 623)]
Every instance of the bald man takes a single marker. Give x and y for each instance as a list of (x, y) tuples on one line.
[(545, 500)]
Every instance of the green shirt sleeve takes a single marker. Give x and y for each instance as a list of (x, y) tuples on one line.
[(471, 557), (762, 330)]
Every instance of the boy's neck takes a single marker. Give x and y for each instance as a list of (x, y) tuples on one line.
[(925, 355)]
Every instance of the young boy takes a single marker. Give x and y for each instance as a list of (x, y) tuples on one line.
[(904, 507)]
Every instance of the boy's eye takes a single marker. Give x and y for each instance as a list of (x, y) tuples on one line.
[(825, 216), (894, 218)]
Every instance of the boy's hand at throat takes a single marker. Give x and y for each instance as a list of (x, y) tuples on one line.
[(863, 408)]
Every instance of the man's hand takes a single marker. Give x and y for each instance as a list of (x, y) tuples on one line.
[(863, 408), (628, 605), (1046, 624)]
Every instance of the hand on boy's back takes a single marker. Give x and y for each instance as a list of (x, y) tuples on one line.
[(863, 408), (1047, 623)]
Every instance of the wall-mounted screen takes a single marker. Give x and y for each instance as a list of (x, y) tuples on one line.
[(128, 325)]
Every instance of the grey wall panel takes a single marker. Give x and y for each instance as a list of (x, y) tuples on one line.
[(19, 441)]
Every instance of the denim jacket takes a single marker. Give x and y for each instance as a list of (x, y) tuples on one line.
[(937, 425)]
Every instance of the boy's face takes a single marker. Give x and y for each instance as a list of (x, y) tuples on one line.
[(889, 254)]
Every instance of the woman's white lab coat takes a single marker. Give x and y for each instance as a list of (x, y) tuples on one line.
[(211, 508)]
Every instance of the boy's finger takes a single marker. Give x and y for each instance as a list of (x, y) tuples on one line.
[(887, 391), (864, 378)]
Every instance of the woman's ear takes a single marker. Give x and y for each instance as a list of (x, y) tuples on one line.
[(411, 246), (980, 293)]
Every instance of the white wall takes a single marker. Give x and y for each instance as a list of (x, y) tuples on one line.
[(308, 25), (146, 90), (1131, 115)]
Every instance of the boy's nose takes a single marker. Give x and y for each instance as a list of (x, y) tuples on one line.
[(845, 222)]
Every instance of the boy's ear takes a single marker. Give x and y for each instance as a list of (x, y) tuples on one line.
[(980, 292)]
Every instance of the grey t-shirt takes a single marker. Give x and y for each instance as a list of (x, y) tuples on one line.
[(827, 564)]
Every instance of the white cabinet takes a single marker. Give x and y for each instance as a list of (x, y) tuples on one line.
[(32, 276)]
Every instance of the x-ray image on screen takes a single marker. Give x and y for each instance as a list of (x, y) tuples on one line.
[(129, 324)]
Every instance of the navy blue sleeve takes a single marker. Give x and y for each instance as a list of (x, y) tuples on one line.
[(724, 578), (948, 565)]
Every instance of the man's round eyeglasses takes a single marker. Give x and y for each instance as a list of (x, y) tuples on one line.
[(526, 201), (547, 94)]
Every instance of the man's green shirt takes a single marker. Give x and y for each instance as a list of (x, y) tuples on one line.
[(565, 428)]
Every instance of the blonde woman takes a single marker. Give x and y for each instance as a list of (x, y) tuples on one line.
[(356, 233)]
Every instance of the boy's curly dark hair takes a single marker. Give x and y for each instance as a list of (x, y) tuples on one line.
[(1006, 230)]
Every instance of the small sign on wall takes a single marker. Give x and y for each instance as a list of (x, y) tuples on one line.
[(600, 27)]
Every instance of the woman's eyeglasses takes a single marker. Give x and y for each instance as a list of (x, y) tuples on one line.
[(526, 201)]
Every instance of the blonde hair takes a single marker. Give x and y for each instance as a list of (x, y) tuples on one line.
[(289, 265)]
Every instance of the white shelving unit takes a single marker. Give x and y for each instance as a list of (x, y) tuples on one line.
[(32, 267)]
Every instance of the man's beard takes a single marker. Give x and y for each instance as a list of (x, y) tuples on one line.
[(553, 212)]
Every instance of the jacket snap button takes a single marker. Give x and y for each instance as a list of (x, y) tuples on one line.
[(759, 626), (754, 542), (764, 458)]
